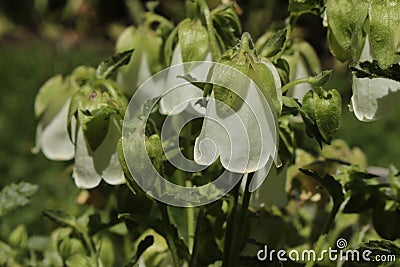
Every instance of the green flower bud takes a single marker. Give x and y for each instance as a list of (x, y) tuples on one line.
[(19, 237)]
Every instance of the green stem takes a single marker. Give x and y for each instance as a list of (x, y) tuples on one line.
[(242, 221), (296, 82), (231, 225), (195, 250), (190, 9), (190, 223), (210, 28), (169, 232), (331, 219), (321, 239)]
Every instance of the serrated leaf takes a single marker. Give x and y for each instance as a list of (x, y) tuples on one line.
[(299, 7), (345, 27), (227, 25), (384, 19), (111, 64), (381, 247), (15, 195), (275, 44)]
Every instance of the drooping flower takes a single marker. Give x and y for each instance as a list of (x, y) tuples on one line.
[(239, 126), (51, 107), (79, 117), (372, 97)]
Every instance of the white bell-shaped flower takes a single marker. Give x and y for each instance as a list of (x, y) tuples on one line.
[(373, 97), (102, 163), (246, 139)]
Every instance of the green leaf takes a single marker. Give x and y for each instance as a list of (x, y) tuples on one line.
[(328, 111), (19, 237), (386, 221), (299, 7), (262, 75), (143, 245), (321, 114), (283, 68), (309, 56), (346, 20), (193, 40), (384, 19), (368, 69), (381, 247), (290, 106), (223, 74), (331, 185), (15, 195), (227, 25), (321, 78), (362, 200), (111, 64), (169, 45), (61, 217), (275, 44), (308, 114)]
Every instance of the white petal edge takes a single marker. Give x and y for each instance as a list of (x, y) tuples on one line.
[(54, 139)]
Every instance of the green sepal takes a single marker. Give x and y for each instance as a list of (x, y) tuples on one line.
[(193, 40), (111, 64), (264, 79)]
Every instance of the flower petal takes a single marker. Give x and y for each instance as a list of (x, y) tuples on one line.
[(373, 98), (91, 166), (84, 174), (54, 140), (244, 140), (174, 101)]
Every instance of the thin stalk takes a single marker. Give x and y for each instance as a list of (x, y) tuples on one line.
[(169, 230), (242, 221), (188, 147), (295, 82), (190, 223), (190, 9), (231, 225), (195, 250), (324, 234), (210, 28)]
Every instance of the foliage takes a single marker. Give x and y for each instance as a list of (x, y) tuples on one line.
[(311, 197)]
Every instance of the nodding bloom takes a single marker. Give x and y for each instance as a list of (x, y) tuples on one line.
[(372, 97), (85, 126), (240, 122)]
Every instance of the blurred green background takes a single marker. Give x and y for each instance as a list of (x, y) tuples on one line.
[(41, 38)]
